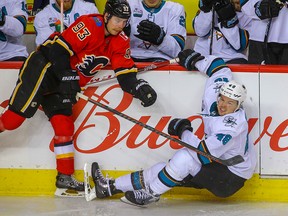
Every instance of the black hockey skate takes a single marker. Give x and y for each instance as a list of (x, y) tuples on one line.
[(140, 198), (104, 187), (68, 186)]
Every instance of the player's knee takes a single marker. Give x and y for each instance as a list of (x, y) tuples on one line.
[(62, 125), (10, 120)]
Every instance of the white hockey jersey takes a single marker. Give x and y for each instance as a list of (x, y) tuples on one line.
[(278, 32), (12, 31), (47, 21), (171, 17), (228, 43), (225, 136)]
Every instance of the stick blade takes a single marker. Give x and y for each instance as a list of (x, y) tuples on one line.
[(233, 161)]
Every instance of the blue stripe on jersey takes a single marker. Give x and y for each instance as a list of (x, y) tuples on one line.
[(137, 180), (180, 40), (23, 21), (166, 179), (242, 2), (244, 39), (202, 147), (247, 144), (217, 64)]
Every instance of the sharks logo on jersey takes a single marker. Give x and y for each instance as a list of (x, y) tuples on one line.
[(91, 64), (229, 121)]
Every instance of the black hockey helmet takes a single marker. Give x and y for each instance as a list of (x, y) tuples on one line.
[(119, 8)]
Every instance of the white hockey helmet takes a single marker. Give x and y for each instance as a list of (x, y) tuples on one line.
[(235, 91)]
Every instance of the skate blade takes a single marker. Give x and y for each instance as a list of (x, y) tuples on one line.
[(89, 192), (64, 192), (124, 200)]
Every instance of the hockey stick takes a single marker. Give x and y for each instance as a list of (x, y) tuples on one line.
[(147, 68), (228, 162), (62, 16), (266, 53)]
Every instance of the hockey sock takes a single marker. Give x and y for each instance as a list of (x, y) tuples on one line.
[(164, 182), (63, 143), (10, 120)]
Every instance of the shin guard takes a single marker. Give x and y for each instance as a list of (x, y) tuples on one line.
[(63, 143)]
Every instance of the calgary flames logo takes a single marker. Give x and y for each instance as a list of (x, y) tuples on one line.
[(91, 64)]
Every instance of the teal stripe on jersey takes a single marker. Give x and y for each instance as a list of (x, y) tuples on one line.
[(23, 22), (202, 147), (216, 65), (180, 40)]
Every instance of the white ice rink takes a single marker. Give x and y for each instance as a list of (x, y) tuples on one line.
[(30, 206)]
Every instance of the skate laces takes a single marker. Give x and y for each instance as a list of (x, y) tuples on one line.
[(144, 194), (75, 181), (104, 180)]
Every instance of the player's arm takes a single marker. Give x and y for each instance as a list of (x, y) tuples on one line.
[(126, 71), (176, 34), (14, 24), (202, 23), (237, 37)]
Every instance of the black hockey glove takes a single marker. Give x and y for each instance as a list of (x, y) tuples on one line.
[(2, 17), (226, 14), (188, 58), (69, 85), (144, 92), (206, 5), (151, 32), (127, 30), (267, 9), (177, 126)]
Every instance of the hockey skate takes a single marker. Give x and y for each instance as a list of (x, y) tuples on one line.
[(68, 186), (104, 187), (140, 198)]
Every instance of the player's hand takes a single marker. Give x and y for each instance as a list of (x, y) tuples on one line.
[(267, 8), (151, 32), (206, 5), (177, 126), (2, 17), (69, 85), (188, 58), (144, 92), (226, 14)]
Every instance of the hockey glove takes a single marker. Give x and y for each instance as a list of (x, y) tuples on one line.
[(188, 58), (177, 126), (2, 17), (144, 92), (151, 32), (69, 85), (267, 9), (226, 14), (206, 5)]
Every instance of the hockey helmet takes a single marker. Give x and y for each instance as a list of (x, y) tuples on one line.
[(119, 8), (235, 91)]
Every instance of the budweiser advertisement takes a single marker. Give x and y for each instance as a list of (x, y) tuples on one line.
[(118, 144)]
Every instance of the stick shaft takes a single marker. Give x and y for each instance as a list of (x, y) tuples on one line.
[(229, 162), (147, 68), (62, 16)]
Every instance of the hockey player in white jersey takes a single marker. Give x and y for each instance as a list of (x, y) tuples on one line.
[(269, 44), (226, 135), (228, 38), (48, 20), (13, 21), (158, 29)]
